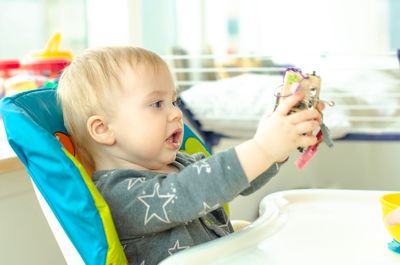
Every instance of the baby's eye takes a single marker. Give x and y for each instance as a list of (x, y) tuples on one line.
[(177, 102), (157, 104)]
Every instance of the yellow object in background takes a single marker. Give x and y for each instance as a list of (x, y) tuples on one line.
[(23, 82), (389, 203), (51, 51), (39, 67)]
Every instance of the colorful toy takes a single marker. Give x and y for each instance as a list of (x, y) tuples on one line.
[(310, 86), (40, 66), (48, 62), (389, 203)]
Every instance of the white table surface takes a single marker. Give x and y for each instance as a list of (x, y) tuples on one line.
[(313, 226)]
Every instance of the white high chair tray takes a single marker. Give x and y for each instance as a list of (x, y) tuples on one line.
[(312, 226)]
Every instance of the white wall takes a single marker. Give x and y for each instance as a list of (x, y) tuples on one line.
[(287, 26), (107, 22)]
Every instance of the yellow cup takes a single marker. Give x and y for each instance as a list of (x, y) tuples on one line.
[(389, 203)]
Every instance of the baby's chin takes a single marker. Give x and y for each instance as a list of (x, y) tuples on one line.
[(155, 163), (166, 160), (171, 160)]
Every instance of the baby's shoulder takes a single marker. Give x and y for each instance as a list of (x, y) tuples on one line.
[(118, 175)]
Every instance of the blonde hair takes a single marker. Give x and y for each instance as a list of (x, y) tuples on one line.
[(86, 85)]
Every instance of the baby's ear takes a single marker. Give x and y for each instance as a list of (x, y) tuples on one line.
[(99, 130)]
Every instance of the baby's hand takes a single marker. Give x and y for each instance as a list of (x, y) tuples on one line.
[(279, 134), (393, 218)]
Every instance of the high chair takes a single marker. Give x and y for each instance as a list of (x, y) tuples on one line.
[(76, 212)]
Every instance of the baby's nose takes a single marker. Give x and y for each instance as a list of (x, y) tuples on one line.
[(176, 114)]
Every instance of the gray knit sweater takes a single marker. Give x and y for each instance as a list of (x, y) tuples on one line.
[(159, 214)]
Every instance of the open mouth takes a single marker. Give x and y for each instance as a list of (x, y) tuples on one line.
[(175, 138)]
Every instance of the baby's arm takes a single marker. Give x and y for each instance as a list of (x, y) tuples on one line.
[(393, 218), (277, 136), (144, 204)]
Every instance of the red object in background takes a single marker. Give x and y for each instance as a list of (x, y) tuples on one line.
[(8, 67), (49, 67)]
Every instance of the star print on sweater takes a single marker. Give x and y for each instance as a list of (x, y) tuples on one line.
[(132, 182), (176, 248), (153, 207), (202, 164)]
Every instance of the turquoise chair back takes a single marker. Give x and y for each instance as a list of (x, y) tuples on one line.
[(35, 130)]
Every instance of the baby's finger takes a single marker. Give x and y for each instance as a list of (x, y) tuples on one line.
[(307, 140), (321, 106), (305, 115), (289, 103), (307, 126)]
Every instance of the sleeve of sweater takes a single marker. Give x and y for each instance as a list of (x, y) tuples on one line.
[(146, 205), (262, 179)]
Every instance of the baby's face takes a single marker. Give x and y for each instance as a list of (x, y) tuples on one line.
[(146, 121)]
